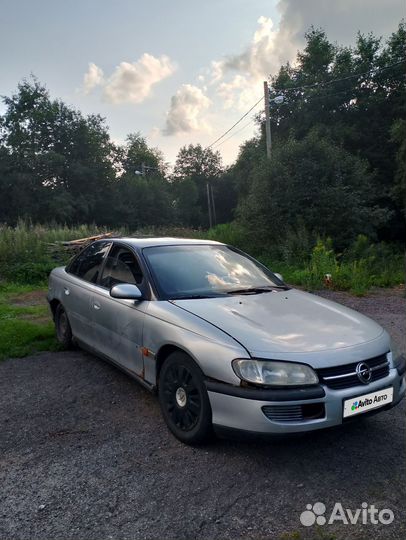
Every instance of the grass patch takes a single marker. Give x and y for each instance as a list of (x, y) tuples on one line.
[(26, 326)]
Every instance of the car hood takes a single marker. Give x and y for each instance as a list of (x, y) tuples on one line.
[(285, 321)]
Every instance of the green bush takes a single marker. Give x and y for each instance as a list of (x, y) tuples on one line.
[(295, 246), (25, 254), (362, 266), (323, 260), (30, 272), (228, 233)]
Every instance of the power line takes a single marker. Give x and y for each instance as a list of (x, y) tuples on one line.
[(303, 87), (238, 121), (309, 98), (236, 132), (322, 83)]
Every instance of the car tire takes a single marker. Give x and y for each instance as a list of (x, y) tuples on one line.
[(183, 399), (63, 328)]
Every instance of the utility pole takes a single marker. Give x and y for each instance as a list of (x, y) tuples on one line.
[(267, 121), (209, 205), (143, 169), (213, 205)]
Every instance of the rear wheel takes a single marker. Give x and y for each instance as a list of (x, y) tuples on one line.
[(63, 329), (184, 401)]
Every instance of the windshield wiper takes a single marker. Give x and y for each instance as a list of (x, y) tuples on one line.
[(257, 290)]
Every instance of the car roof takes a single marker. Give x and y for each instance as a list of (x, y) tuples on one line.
[(164, 241)]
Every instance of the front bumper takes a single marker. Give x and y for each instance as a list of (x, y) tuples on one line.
[(239, 408)]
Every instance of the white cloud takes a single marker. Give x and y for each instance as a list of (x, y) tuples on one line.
[(240, 91), (256, 59), (238, 77), (92, 78), (154, 133), (130, 82), (186, 108)]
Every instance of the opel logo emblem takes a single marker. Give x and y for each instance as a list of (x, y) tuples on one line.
[(364, 372)]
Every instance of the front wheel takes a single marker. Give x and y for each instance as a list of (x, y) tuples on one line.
[(184, 401), (63, 329)]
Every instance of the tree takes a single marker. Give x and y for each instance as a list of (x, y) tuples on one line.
[(314, 183), (141, 200), (399, 137), (356, 94), (200, 166), (57, 164), (250, 154), (137, 152), (187, 211)]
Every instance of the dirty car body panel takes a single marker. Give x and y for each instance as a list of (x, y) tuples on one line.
[(243, 327)]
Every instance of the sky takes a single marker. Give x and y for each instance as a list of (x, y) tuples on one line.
[(178, 72)]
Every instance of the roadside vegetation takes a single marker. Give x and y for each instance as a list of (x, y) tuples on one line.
[(304, 260), (29, 252)]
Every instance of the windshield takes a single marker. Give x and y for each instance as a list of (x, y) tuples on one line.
[(206, 270)]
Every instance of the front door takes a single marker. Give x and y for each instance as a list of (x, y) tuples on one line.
[(118, 324)]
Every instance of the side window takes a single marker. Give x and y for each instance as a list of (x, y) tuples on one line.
[(87, 264), (121, 267)]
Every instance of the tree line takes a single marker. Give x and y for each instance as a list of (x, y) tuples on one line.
[(338, 164)]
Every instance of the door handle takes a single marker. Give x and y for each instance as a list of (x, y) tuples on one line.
[(67, 291), (96, 305)]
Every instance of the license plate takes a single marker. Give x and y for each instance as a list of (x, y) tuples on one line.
[(367, 402)]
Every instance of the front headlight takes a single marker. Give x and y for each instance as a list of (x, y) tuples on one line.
[(274, 373)]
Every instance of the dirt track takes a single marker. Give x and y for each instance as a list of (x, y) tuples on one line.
[(85, 454)]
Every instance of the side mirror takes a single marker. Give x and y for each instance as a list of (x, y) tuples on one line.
[(126, 291), (279, 276)]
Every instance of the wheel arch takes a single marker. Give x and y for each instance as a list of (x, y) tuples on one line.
[(53, 304), (164, 352)]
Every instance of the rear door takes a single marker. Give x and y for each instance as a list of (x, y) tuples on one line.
[(118, 324), (82, 275)]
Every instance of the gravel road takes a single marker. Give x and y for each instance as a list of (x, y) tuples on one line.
[(85, 454)]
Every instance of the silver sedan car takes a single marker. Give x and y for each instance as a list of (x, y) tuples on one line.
[(224, 342)]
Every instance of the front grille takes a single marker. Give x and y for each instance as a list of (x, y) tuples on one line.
[(339, 377), (294, 413)]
